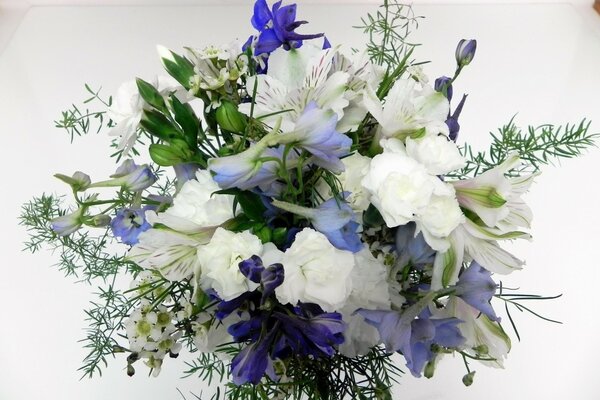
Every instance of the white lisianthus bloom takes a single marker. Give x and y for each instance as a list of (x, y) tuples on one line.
[(128, 107), (195, 206), (355, 169), (369, 291), (409, 107), (437, 153), (316, 272), (439, 219), (219, 262), (399, 186)]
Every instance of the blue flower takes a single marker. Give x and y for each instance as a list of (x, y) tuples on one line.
[(252, 268), (129, 223), (413, 249), (276, 27), (133, 177), (465, 51), (68, 223), (452, 121), (271, 278), (413, 337), (253, 361), (185, 172), (476, 287), (443, 85)]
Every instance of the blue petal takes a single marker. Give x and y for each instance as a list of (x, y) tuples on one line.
[(262, 15), (267, 42), (476, 287)]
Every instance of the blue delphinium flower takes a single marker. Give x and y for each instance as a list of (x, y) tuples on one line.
[(129, 223), (476, 287), (276, 27), (68, 223), (465, 51), (271, 330), (413, 337), (443, 84), (413, 248)]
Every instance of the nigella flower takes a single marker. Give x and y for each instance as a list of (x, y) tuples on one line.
[(333, 218), (412, 336), (315, 132), (476, 287), (129, 223), (276, 27)]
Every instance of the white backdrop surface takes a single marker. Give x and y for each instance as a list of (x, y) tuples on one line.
[(542, 61)]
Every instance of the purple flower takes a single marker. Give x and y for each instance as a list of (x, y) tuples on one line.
[(476, 287), (452, 121), (271, 278), (413, 249), (185, 172), (465, 51), (276, 27), (443, 85), (252, 268), (251, 364), (134, 177), (414, 337), (129, 223), (68, 223)]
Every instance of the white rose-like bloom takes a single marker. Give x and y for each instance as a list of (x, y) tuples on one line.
[(196, 205), (356, 166), (441, 216), (369, 291), (438, 154), (316, 272), (219, 262), (400, 187)]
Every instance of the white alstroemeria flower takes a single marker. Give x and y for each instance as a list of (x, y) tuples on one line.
[(195, 206), (484, 337), (495, 198), (437, 153), (417, 73), (295, 79), (316, 272), (355, 169), (218, 263), (209, 336), (409, 107), (128, 107), (369, 291), (173, 254)]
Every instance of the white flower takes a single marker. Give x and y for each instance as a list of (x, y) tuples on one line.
[(128, 108), (409, 107), (369, 291), (217, 66), (399, 186), (439, 219), (355, 169), (195, 206), (316, 272), (416, 72), (438, 154), (219, 262), (209, 333)]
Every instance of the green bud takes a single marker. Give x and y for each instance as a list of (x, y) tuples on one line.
[(467, 380), (79, 181), (279, 235), (482, 349), (429, 370), (265, 234), (119, 349), (168, 155), (97, 221), (224, 151), (130, 370), (230, 119)]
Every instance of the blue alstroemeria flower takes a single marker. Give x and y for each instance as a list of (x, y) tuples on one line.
[(413, 337), (476, 287), (276, 27), (413, 249), (129, 223)]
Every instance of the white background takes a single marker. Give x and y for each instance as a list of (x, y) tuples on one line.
[(542, 61)]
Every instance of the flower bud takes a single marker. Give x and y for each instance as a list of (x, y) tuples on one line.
[(465, 51), (468, 378), (98, 221), (429, 370), (443, 85), (68, 223), (252, 268), (230, 119), (130, 176), (271, 278), (79, 181)]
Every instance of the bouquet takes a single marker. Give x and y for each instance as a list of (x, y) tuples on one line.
[(301, 218)]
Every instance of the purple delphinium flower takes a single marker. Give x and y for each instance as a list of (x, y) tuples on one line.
[(270, 279), (129, 223), (413, 249), (465, 51), (452, 120), (413, 337), (476, 287), (276, 27), (68, 223), (253, 361), (443, 85), (252, 268), (185, 172)]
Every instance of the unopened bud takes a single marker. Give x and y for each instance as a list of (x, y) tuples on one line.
[(130, 370), (429, 370), (467, 380), (230, 119), (98, 221), (79, 181), (465, 51)]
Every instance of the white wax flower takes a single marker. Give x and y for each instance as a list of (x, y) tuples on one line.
[(437, 153), (369, 291), (316, 272), (219, 262)]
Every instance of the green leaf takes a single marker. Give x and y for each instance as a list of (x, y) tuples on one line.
[(178, 67), (151, 95), (155, 123), (252, 205), (372, 217), (187, 119)]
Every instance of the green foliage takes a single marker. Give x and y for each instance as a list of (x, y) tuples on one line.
[(537, 146), (79, 121)]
